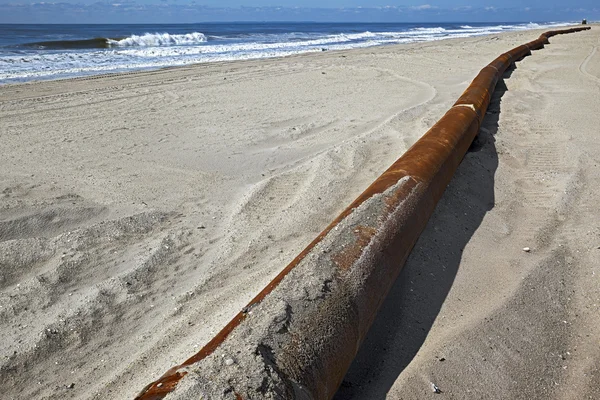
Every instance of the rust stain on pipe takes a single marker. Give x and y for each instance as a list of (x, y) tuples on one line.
[(501, 63), (345, 258), (479, 93), (429, 166)]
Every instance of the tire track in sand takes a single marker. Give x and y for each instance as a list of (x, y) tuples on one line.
[(583, 67)]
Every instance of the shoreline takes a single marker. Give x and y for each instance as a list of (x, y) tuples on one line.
[(174, 196), (154, 69)]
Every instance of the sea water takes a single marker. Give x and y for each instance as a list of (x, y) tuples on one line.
[(36, 52)]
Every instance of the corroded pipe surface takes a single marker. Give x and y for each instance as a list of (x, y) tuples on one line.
[(518, 53), (501, 63), (297, 337), (478, 95)]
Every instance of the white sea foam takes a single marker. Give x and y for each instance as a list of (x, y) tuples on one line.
[(430, 30), (159, 39)]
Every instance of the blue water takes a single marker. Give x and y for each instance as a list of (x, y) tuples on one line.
[(35, 52)]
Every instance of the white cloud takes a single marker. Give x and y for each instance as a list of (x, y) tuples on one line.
[(424, 7)]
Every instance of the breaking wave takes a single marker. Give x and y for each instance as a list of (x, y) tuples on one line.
[(145, 40), (159, 39)]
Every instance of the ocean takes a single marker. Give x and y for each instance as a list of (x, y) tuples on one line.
[(38, 52)]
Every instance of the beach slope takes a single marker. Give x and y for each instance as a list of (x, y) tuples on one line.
[(139, 212)]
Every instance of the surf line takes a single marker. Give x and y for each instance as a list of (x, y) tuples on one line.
[(353, 264)]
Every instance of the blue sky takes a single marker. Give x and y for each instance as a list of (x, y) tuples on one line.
[(186, 11)]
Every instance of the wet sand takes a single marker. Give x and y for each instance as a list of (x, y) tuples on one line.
[(139, 212)]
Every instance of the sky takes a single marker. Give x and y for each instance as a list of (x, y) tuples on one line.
[(189, 11)]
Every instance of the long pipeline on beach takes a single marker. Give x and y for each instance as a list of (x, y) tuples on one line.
[(297, 338)]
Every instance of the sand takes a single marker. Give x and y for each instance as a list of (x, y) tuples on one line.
[(472, 312), (139, 212)]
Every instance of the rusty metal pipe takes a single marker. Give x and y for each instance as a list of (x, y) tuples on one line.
[(333, 289), (478, 95), (536, 44), (518, 53), (501, 63)]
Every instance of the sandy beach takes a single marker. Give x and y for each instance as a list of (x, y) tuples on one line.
[(140, 211)]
